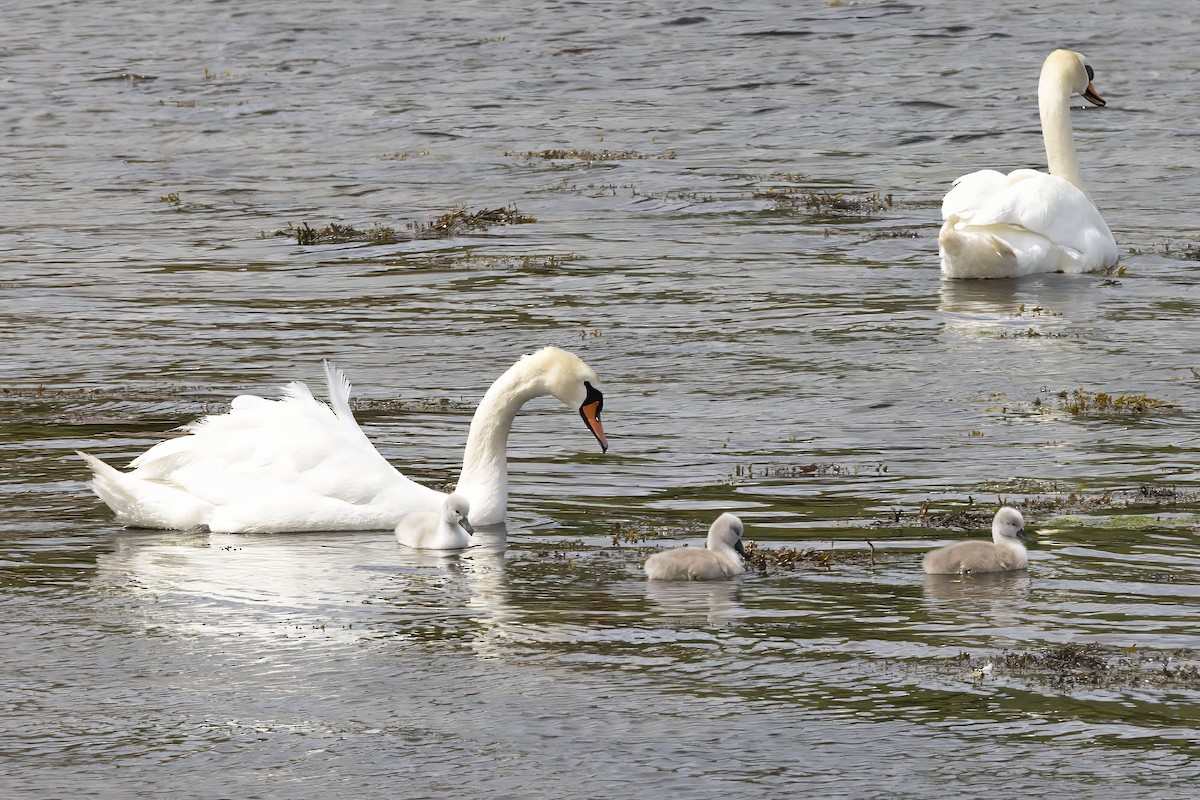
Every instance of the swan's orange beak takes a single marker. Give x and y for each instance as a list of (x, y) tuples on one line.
[(593, 404), (1090, 95)]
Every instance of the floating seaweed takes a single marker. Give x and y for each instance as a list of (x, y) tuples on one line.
[(926, 517), (1180, 251), (590, 155), (1070, 666), (460, 220), (743, 472), (452, 223), (1045, 503), (1084, 403), (906, 233), (838, 204), (1034, 333), (788, 559), (337, 233)]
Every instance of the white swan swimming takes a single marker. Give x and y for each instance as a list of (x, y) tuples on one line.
[(447, 529), (720, 559), (1003, 554), (1025, 222), (296, 464)]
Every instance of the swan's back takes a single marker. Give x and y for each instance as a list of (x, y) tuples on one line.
[(1004, 553), (1025, 222), (974, 556), (689, 564)]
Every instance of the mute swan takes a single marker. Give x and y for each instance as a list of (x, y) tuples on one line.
[(1003, 554), (444, 530), (722, 558), (295, 464), (1004, 226)]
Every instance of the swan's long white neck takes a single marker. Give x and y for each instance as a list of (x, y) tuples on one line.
[(1054, 107), (484, 478)]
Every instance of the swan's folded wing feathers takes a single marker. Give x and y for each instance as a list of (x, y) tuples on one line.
[(292, 444), (1043, 204), (970, 192), (1028, 199)]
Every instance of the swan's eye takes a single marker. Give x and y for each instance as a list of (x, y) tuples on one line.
[(1090, 72)]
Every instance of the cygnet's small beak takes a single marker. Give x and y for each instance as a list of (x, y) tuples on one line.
[(466, 526), (1025, 536), (1090, 95), (738, 546), (593, 404)]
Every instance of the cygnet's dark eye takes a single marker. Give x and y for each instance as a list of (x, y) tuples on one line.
[(1091, 74)]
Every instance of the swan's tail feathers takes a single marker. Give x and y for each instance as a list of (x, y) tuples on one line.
[(339, 400), (975, 253), (106, 480), (142, 503), (339, 391)]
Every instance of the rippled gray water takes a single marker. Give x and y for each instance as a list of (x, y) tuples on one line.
[(806, 369)]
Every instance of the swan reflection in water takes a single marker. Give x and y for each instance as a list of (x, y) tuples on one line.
[(704, 602), (334, 586), (1005, 586), (967, 602)]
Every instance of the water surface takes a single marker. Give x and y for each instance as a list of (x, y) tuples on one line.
[(808, 370)]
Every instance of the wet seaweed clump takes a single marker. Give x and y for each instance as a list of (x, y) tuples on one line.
[(405, 155), (906, 233), (1069, 666), (789, 177), (926, 517), (1180, 251), (1024, 310), (453, 223), (459, 220), (1046, 499), (838, 204), (789, 559), (1034, 333), (337, 233), (634, 533), (1084, 403), (590, 155), (627, 534), (550, 262), (744, 472)]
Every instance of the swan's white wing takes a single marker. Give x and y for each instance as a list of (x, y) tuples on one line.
[(1046, 205), (1031, 221), (971, 192), (287, 464)]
